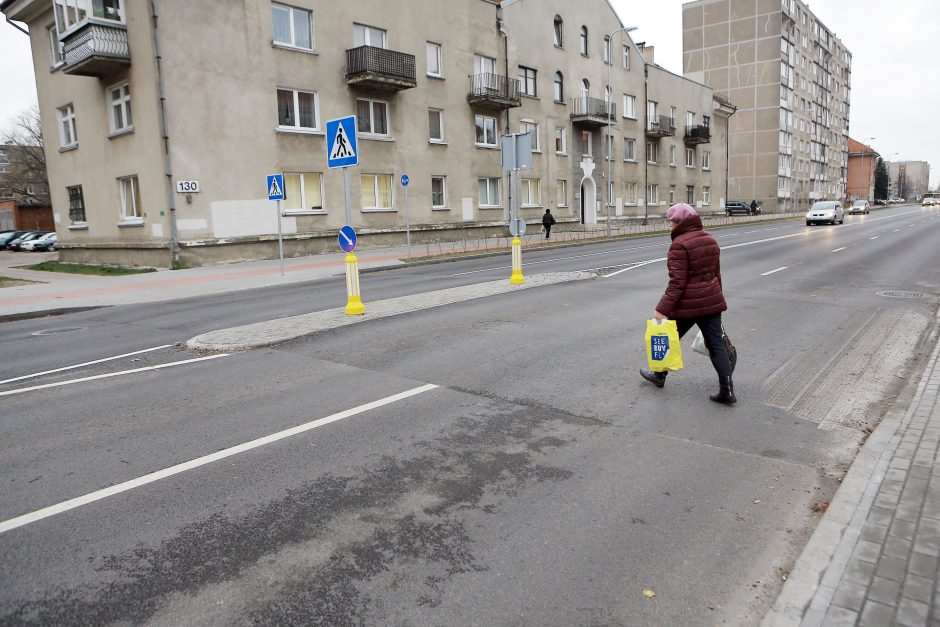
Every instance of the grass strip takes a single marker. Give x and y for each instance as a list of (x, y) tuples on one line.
[(82, 268)]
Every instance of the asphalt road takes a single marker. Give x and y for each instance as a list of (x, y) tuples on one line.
[(530, 478)]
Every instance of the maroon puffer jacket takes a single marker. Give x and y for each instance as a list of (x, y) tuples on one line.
[(694, 288)]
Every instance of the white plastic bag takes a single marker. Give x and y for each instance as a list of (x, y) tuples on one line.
[(698, 344)]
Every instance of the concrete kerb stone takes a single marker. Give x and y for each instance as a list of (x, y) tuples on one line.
[(271, 332)]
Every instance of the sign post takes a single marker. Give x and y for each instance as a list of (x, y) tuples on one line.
[(276, 192), (404, 183), (342, 146), (516, 155)]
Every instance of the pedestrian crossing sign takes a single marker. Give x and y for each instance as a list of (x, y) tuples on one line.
[(276, 187), (342, 143)]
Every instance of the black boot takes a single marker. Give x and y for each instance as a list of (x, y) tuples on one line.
[(656, 378), (725, 392)]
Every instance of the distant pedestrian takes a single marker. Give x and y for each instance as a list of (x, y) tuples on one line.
[(694, 296), (547, 221), (753, 206)]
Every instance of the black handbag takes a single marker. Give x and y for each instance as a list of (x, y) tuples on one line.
[(732, 351)]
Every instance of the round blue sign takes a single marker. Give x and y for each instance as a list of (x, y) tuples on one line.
[(347, 238), (404, 180)]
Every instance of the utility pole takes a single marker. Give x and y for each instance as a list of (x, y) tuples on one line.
[(609, 114)]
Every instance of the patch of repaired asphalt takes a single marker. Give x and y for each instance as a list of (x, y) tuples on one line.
[(316, 554)]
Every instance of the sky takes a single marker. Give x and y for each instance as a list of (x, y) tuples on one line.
[(895, 78)]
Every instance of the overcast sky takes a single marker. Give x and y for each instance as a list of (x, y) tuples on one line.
[(894, 69)]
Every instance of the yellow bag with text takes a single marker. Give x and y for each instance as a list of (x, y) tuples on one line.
[(662, 346)]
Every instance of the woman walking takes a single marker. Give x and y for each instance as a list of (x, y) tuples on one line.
[(693, 296)]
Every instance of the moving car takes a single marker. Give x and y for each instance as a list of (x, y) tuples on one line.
[(930, 199), (739, 208), (40, 244), (825, 211), (860, 206)]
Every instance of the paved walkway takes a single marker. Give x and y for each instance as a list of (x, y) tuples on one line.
[(873, 559)]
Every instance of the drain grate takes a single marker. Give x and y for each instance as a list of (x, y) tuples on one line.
[(58, 331), (901, 294)]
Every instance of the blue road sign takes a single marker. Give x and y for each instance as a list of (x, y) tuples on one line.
[(342, 144), (347, 238), (276, 187), (404, 180)]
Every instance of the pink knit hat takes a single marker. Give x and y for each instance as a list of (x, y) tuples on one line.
[(680, 211)]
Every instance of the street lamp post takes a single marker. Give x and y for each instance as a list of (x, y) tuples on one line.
[(610, 98)]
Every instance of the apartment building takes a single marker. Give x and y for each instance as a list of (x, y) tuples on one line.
[(908, 179), (790, 77), (159, 138), (860, 181)]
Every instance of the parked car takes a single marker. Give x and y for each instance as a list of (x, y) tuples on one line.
[(825, 211), (41, 244), (739, 208), (896, 201), (31, 235), (9, 236), (881, 201), (860, 206)]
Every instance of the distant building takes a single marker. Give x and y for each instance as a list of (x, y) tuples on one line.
[(24, 192), (860, 183), (908, 179)]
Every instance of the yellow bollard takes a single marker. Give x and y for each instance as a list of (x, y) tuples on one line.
[(354, 306), (516, 278)]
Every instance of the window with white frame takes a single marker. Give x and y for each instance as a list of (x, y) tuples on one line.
[(629, 193), (55, 45), (531, 127), (584, 41), (76, 204), (485, 131), (120, 97), (609, 144), (690, 194), (438, 192), (672, 115), (130, 199), (70, 13), (297, 110), (372, 117), (483, 65), (561, 141), (530, 195), (527, 81), (369, 36), (561, 193), (706, 160), (652, 109), (629, 106), (672, 195), (68, 134), (629, 149), (672, 156), (652, 194), (558, 87), (652, 152), (559, 30), (607, 49), (706, 195), (435, 125), (690, 157), (292, 26), (376, 192), (435, 62), (304, 191), (690, 118), (489, 191), (626, 57)]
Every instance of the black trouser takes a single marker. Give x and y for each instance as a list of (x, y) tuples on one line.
[(711, 331), (548, 229)]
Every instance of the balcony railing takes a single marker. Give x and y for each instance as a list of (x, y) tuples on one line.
[(697, 134), (494, 91), (661, 126), (379, 68), (592, 111), (96, 49)]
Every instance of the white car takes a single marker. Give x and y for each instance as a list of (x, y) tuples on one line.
[(43, 242), (825, 211)]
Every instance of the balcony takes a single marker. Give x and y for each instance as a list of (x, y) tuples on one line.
[(96, 49), (661, 126), (378, 68), (589, 111), (494, 91), (697, 134)]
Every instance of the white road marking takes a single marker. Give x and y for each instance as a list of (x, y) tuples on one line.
[(532, 263), (875, 237), (838, 249), (896, 230), (87, 363), (110, 374), (64, 506), (776, 270), (634, 266)]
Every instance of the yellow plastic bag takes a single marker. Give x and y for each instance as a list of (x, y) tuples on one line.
[(663, 350)]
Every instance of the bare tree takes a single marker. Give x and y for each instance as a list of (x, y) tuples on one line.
[(25, 178)]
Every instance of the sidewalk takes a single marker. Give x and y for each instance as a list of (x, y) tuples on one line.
[(873, 559)]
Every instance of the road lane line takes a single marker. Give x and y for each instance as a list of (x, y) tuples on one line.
[(776, 270), (532, 263), (896, 230), (110, 374), (87, 363), (634, 266), (64, 506), (875, 237), (838, 249)]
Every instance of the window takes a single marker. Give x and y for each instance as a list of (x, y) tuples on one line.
[(527, 83), (609, 144), (559, 32), (121, 119), (629, 193), (76, 204), (376, 191), (587, 143), (690, 157), (706, 195), (372, 116), (690, 194), (435, 125), (559, 87), (672, 195), (68, 135), (672, 115), (652, 153), (489, 191), (368, 36), (70, 13), (528, 126), (530, 195), (561, 141), (292, 27), (706, 121), (629, 106), (304, 192), (297, 110), (55, 45), (585, 90), (652, 194), (607, 49), (706, 160), (486, 130), (626, 57), (652, 108), (689, 118), (584, 41), (438, 192), (561, 193), (672, 156), (130, 199), (483, 65), (435, 67), (629, 149)]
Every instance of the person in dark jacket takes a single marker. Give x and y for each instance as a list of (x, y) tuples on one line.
[(547, 221), (694, 296), (753, 207)]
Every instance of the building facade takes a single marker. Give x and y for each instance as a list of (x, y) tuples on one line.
[(790, 78), (24, 190), (908, 179), (159, 138), (860, 182)]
